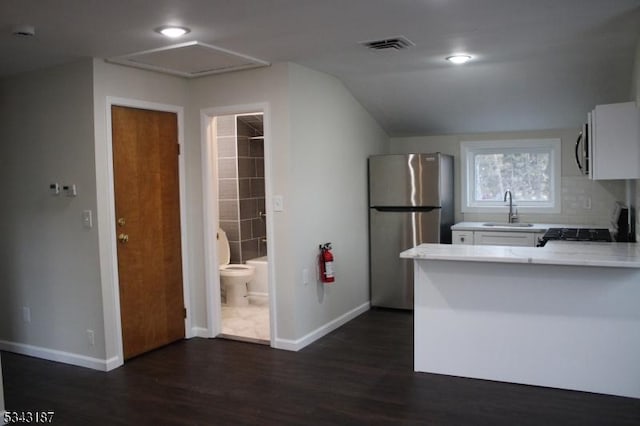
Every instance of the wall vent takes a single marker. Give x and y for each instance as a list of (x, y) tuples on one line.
[(397, 43)]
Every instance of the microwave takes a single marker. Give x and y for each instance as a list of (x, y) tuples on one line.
[(607, 147), (582, 146)]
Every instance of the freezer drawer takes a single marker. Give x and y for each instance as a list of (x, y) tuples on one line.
[(391, 233), (407, 180)]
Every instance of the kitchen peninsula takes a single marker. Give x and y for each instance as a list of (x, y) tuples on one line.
[(566, 315)]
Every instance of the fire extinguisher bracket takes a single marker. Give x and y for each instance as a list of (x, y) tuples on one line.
[(325, 263)]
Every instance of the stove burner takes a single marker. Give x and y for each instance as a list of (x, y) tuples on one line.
[(577, 234)]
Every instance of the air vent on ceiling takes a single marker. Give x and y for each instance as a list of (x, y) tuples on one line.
[(191, 59), (397, 43)]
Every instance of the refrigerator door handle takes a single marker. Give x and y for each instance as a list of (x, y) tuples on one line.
[(404, 209)]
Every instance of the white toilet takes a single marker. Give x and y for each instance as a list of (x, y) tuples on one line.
[(233, 277)]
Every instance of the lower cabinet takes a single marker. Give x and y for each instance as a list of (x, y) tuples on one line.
[(496, 238), (493, 238), (462, 237)]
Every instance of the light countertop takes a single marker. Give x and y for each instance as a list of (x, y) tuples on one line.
[(570, 253), (536, 228)]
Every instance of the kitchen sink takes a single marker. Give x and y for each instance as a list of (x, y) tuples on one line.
[(510, 225)]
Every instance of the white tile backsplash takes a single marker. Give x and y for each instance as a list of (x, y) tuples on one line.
[(584, 202)]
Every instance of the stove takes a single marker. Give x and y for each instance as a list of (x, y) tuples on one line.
[(576, 234)]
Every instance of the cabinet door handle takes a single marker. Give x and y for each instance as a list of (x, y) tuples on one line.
[(580, 136)]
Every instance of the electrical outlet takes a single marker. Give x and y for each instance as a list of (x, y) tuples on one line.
[(278, 203), (587, 203), (26, 314), (91, 337), (305, 276)]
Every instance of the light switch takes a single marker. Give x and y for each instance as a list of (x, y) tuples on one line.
[(70, 190), (54, 189), (87, 219), (278, 203)]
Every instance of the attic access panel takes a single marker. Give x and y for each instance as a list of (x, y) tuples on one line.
[(191, 59)]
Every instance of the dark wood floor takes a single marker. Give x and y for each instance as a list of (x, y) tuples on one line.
[(359, 374)]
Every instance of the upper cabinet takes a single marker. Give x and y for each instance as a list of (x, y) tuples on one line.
[(613, 142)]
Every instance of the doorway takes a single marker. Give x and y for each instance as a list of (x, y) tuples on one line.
[(236, 185), (242, 231), (148, 228)]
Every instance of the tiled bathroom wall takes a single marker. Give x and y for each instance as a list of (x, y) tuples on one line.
[(241, 186), (253, 232), (228, 205)]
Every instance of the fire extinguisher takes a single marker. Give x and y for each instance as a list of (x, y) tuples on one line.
[(325, 260)]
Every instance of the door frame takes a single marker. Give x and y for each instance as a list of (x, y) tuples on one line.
[(211, 219), (109, 241)]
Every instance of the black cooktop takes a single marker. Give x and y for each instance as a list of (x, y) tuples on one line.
[(577, 234)]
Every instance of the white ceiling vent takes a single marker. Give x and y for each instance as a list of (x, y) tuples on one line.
[(397, 43), (191, 59)]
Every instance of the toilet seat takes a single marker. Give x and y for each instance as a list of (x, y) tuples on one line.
[(224, 253), (235, 270), (224, 257)]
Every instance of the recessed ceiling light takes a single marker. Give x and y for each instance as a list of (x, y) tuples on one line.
[(172, 31), (459, 59)]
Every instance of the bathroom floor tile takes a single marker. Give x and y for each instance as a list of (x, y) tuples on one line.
[(246, 321)]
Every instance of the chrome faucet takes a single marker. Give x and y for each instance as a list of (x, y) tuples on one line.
[(512, 217)]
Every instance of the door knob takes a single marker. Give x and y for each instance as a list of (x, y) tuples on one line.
[(123, 238)]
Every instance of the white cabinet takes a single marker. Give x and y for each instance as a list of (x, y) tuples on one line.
[(462, 237), (614, 141), (496, 238), (493, 238)]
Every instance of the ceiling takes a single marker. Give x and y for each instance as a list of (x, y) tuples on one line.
[(537, 64)]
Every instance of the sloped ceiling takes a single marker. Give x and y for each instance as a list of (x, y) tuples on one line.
[(537, 64)]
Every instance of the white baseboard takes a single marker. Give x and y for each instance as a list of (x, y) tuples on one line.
[(58, 356), (113, 363), (296, 345), (200, 332)]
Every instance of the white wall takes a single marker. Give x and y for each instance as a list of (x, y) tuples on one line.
[(56, 124), (320, 101), (331, 138), (576, 189), (48, 261), (133, 84), (318, 133), (268, 86)]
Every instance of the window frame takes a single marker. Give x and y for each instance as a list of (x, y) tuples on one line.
[(468, 151)]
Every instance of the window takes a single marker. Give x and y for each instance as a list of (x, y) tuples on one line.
[(530, 169)]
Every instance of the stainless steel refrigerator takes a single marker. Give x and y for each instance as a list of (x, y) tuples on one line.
[(410, 203)]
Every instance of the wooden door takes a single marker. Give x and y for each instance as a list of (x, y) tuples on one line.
[(147, 203)]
